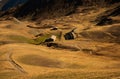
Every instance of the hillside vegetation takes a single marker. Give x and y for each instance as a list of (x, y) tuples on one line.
[(93, 54)]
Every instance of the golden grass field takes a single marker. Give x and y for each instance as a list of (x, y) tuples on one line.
[(21, 58)]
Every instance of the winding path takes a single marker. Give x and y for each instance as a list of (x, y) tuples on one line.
[(17, 66)]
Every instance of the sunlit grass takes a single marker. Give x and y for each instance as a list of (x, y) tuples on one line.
[(40, 39), (36, 41), (8, 75), (22, 39), (36, 60), (78, 75)]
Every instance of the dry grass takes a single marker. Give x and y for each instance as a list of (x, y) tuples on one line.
[(36, 60), (79, 75), (98, 36), (41, 62)]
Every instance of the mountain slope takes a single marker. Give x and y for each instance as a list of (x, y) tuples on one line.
[(94, 53), (47, 8), (2, 3), (12, 3)]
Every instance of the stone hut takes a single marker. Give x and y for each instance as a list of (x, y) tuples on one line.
[(51, 39), (71, 35)]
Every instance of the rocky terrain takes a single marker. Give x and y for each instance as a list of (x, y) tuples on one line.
[(85, 40)]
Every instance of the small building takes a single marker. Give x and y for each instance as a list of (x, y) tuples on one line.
[(70, 36), (54, 28), (51, 39)]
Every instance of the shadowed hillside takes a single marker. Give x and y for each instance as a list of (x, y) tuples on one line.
[(2, 3), (12, 3), (47, 8), (53, 8)]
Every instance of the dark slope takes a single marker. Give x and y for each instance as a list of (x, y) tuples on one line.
[(47, 8), (114, 1), (12, 3), (105, 18), (55, 8), (42, 9), (2, 3)]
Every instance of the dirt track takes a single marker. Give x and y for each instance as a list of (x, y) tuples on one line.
[(16, 66)]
